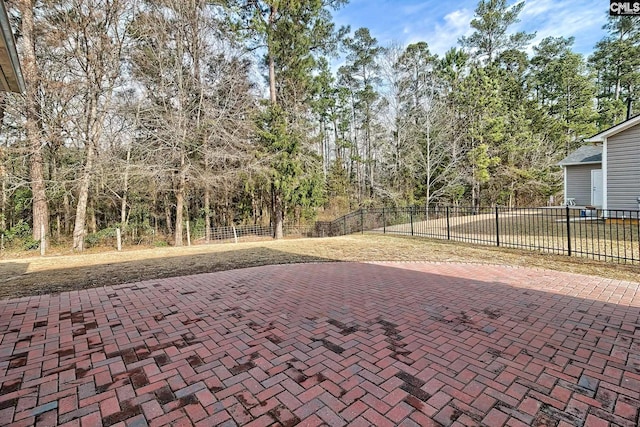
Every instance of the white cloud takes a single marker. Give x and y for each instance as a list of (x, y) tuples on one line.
[(458, 19), (582, 20), (412, 9), (440, 25), (444, 35), (537, 7)]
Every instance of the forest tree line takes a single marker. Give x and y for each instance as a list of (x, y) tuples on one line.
[(145, 114)]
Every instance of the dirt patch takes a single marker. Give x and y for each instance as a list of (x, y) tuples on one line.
[(54, 274)]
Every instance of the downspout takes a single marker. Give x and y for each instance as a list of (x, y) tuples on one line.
[(605, 205), (564, 172)]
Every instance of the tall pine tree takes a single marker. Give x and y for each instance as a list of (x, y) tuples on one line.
[(292, 33)]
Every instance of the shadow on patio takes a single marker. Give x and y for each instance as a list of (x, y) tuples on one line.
[(335, 343)]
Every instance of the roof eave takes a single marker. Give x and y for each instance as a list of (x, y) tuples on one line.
[(14, 69), (600, 137), (579, 163)]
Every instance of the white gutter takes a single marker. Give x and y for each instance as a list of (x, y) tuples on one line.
[(579, 163), (7, 37), (602, 136)]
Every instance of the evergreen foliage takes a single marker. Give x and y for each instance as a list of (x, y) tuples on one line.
[(232, 112)]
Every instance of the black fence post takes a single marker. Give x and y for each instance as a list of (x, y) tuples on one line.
[(384, 222), (362, 220), (448, 227), (411, 218), (568, 232), (344, 225), (497, 228)]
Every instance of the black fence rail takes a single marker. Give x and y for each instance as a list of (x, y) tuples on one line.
[(353, 222), (612, 235)]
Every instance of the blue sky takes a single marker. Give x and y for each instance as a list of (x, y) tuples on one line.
[(440, 22)]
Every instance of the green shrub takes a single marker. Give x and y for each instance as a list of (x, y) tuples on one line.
[(18, 231), (30, 244), (197, 228), (102, 237), (19, 236)]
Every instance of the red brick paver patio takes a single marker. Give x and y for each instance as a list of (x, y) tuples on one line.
[(334, 344)]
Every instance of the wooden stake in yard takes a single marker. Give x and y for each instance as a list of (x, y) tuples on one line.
[(42, 240), (235, 234), (188, 234), (119, 238)]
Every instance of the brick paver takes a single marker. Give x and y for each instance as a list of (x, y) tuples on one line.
[(334, 344)]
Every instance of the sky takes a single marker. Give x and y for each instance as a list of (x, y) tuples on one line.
[(441, 22)]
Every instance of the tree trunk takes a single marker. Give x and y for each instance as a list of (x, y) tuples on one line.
[(33, 123), (180, 201), (335, 138), (272, 64), (167, 215), (179, 220), (276, 213), (429, 174), (55, 174), (207, 215), (475, 197), (67, 212), (83, 198), (254, 208), (278, 229), (323, 149), (123, 210), (93, 223), (3, 212), (93, 135), (123, 200)]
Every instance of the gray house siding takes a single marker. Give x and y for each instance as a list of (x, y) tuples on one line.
[(623, 169), (579, 183)]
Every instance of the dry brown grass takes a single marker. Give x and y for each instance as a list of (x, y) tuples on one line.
[(52, 274)]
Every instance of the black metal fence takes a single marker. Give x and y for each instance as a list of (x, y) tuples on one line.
[(613, 235)]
